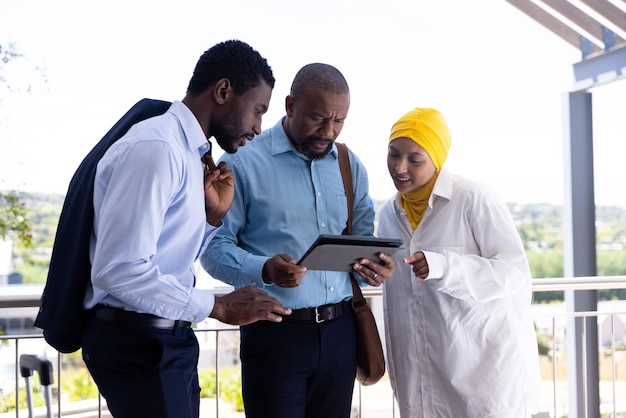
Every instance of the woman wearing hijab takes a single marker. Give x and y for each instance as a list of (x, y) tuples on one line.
[(460, 339)]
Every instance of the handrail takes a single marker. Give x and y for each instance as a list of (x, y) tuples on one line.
[(27, 296), (580, 283)]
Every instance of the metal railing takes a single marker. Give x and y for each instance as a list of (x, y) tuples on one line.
[(373, 401)]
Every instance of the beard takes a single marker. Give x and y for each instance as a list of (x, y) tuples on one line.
[(229, 136), (313, 154)]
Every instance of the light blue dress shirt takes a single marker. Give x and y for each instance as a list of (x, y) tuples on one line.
[(149, 219), (283, 202)]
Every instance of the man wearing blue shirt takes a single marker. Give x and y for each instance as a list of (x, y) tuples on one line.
[(288, 191), (158, 200)]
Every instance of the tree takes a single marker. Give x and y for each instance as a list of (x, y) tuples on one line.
[(7, 54), (14, 221)]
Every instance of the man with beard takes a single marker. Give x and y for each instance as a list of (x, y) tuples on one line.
[(288, 191), (158, 199)]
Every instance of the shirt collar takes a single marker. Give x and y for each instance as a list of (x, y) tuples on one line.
[(196, 140), (443, 185)]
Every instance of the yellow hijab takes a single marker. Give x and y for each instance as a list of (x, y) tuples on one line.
[(428, 129)]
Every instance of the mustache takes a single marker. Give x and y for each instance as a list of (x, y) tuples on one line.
[(318, 138), (306, 149)]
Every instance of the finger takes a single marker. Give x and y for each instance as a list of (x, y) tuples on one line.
[(277, 312), (273, 317), (280, 309), (413, 258), (388, 260), (211, 177), (367, 276), (207, 159), (225, 174)]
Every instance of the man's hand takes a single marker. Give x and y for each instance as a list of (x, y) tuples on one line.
[(419, 263), (373, 272), (283, 271), (219, 189), (247, 305)]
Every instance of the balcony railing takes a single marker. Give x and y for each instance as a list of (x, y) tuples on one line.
[(219, 351)]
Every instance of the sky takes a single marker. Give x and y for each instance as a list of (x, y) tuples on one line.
[(498, 77)]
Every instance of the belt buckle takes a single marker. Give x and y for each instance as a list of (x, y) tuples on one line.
[(318, 319)]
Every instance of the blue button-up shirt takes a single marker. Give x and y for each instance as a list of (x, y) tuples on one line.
[(149, 219), (283, 202)]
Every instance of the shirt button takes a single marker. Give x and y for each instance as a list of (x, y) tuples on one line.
[(332, 289), (253, 283), (319, 193), (323, 225), (157, 311), (191, 318)]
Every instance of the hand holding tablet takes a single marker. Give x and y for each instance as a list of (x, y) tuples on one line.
[(340, 252)]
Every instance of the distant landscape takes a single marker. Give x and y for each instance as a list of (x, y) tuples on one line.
[(539, 225)]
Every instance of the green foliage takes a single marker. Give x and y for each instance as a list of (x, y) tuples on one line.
[(545, 264), (43, 217), (33, 271), (611, 263), (230, 390), (207, 384), (14, 221), (230, 386), (79, 385), (7, 400)]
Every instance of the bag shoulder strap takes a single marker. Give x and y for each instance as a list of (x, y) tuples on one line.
[(346, 175)]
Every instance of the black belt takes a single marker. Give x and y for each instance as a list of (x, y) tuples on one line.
[(319, 314), (136, 319)]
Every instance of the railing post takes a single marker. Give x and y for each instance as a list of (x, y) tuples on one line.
[(579, 250)]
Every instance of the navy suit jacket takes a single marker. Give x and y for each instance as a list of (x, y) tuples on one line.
[(61, 313)]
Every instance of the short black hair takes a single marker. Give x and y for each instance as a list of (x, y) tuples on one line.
[(235, 60), (319, 76)]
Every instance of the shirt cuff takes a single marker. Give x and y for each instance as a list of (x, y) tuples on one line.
[(252, 274), (436, 265), (200, 305)]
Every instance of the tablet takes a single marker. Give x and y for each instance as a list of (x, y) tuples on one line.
[(339, 252)]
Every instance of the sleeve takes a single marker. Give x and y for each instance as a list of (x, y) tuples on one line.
[(497, 270), (135, 194)]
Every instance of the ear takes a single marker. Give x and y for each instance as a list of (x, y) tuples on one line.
[(222, 91), (289, 105)]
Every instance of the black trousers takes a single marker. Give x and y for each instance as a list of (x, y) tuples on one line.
[(144, 372), (299, 369)]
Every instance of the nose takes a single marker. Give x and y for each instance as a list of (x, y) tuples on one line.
[(327, 129), (256, 128), (401, 166)]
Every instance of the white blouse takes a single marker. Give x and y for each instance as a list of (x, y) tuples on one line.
[(460, 343)]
